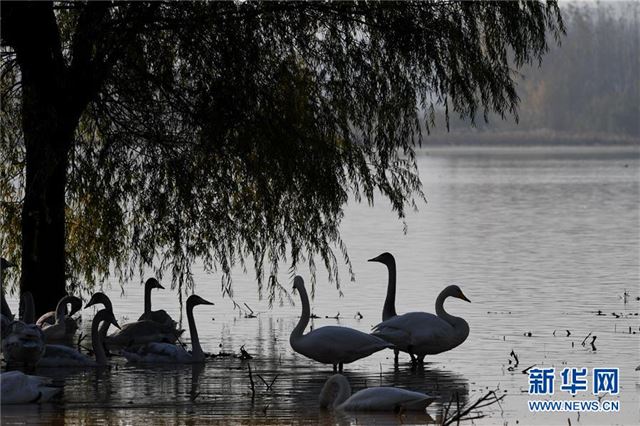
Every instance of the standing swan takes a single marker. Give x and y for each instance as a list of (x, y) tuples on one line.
[(64, 356), (336, 393), (20, 388), (166, 353), (330, 344), (420, 333), (160, 316), (389, 308)]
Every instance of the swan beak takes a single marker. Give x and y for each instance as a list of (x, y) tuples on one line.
[(160, 286), (206, 302), (90, 303), (375, 259), (463, 297), (116, 325)]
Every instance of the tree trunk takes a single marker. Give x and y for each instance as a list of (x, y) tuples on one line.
[(43, 216)]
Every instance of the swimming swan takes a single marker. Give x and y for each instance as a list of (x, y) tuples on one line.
[(133, 334), (63, 329), (24, 341), (160, 316), (20, 388), (336, 393), (330, 344), (51, 317), (64, 356), (421, 333), (166, 353)]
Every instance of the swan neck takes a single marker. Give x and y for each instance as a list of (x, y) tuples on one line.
[(335, 392), (96, 337), (61, 310), (442, 313), (147, 298), (304, 318), (389, 309), (197, 351)]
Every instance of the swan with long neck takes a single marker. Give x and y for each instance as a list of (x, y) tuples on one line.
[(63, 329), (23, 344), (52, 317), (336, 394), (20, 388), (330, 344), (160, 316), (165, 353), (133, 334), (389, 308), (64, 356), (421, 333)]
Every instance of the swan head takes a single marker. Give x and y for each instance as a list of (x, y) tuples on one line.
[(4, 263), (385, 258), (194, 300), (153, 283), (99, 298), (298, 283), (455, 291)]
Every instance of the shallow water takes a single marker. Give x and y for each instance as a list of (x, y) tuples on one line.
[(539, 239)]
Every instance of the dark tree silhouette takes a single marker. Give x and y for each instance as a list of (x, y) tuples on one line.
[(155, 133)]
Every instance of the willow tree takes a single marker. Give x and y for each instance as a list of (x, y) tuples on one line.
[(156, 133)]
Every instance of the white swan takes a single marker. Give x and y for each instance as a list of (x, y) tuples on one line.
[(165, 353), (64, 356), (331, 344), (336, 393), (420, 333), (64, 328), (20, 388), (160, 316), (51, 317), (134, 334), (389, 308), (24, 341)]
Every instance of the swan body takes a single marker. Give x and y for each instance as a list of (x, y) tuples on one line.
[(336, 393), (20, 388), (166, 353), (331, 344), (140, 333), (421, 333), (133, 334), (64, 356), (23, 343), (160, 316), (64, 328)]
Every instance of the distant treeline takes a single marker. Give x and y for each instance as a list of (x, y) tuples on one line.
[(587, 89)]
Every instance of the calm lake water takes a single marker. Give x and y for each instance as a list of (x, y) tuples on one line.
[(540, 240)]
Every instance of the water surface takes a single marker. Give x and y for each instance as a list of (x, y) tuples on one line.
[(540, 239)]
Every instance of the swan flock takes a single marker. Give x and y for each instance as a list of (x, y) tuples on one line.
[(153, 339)]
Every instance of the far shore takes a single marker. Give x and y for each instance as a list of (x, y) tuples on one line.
[(527, 138)]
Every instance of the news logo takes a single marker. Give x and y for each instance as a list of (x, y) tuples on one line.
[(574, 381)]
